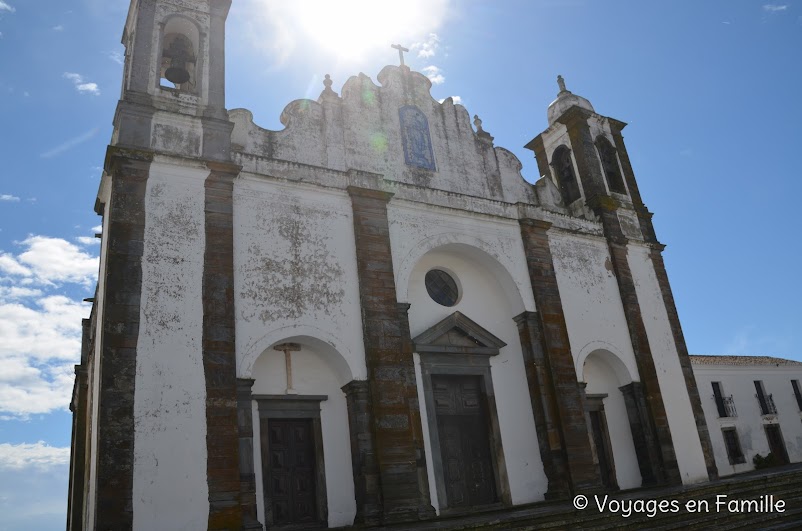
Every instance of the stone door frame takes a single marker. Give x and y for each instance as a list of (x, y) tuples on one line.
[(294, 407), (439, 357)]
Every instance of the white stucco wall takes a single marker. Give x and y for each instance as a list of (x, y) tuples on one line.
[(738, 381), (312, 374), (494, 243), (681, 421), (591, 300), (170, 394), (295, 271), (484, 300)]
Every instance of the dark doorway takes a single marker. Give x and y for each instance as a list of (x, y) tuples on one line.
[(601, 439), (289, 466), (776, 443), (462, 424)]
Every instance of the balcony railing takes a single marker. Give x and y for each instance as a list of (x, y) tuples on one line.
[(767, 406), (727, 407)]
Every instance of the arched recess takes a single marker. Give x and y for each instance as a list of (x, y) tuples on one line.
[(613, 424), (609, 162), (563, 165), (625, 369), (493, 291), (300, 413), (518, 291), (181, 34), (337, 352)]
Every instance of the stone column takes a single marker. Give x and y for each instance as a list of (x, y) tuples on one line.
[(247, 473), (363, 458), (544, 406), (388, 352), (646, 448), (219, 356), (569, 415)]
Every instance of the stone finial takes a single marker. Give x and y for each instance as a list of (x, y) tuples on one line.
[(478, 123), (561, 84), (327, 93), (481, 133)]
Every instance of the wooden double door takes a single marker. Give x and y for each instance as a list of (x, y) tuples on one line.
[(291, 472), (465, 447)]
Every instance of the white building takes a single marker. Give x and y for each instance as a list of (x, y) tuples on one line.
[(753, 405), (368, 316)]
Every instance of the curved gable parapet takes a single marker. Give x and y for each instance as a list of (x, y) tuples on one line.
[(395, 129)]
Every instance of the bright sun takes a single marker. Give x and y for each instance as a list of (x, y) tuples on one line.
[(353, 29)]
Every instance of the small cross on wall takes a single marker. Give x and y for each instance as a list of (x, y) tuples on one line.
[(401, 51)]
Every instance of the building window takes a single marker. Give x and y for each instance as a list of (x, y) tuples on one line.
[(797, 393), (609, 162), (766, 401), (566, 177), (724, 404), (442, 287), (733, 445)]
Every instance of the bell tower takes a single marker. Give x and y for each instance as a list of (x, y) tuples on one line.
[(173, 90), (584, 154)]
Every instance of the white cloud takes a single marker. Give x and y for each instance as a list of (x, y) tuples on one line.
[(774, 8), (16, 292), (455, 99), (51, 261), (116, 56), (5, 7), (69, 144), (434, 74), (40, 455), (9, 265), (39, 326), (87, 240), (9, 197), (427, 48), (58, 28), (97, 229), (81, 85)]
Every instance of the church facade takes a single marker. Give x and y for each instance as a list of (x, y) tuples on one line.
[(369, 316)]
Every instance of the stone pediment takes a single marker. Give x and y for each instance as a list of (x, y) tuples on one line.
[(457, 334)]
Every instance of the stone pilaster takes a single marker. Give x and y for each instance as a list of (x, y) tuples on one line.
[(75, 501), (219, 357), (684, 360), (425, 509), (647, 229), (363, 455), (605, 207), (115, 437), (544, 405), (646, 447), (388, 352), (658, 424), (574, 442), (247, 472)]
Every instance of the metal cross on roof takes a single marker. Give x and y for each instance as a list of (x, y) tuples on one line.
[(401, 51)]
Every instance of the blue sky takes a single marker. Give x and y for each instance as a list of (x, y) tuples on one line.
[(711, 92)]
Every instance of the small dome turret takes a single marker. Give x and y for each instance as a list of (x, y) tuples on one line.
[(565, 100)]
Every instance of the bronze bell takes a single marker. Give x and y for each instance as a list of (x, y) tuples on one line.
[(179, 54)]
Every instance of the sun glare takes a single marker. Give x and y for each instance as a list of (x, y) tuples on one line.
[(353, 29)]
